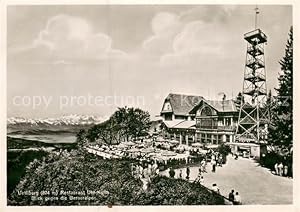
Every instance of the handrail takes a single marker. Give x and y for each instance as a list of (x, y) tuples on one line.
[(253, 32)]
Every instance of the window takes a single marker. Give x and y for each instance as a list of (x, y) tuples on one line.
[(206, 111), (208, 123), (208, 140), (167, 106), (227, 121), (220, 138), (180, 117), (168, 117), (227, 138), (214, 139), (198, 137), (203, 138)]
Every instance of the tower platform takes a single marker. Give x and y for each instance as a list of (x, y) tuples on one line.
[(255, 37)]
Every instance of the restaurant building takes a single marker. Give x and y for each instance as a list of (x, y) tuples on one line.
[(191, 119)]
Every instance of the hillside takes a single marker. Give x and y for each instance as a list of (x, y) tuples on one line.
[(89, 180)]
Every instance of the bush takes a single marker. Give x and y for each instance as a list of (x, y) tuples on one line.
[(112, 178), (166, 191), (73, 171), (16, 164)]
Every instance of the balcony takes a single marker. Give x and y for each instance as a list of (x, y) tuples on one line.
[(226, 128), (216, 128)]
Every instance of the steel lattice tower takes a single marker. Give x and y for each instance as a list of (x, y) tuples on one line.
[(253, 115)]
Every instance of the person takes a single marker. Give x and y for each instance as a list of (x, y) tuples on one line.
[(168, 171), (236, 156), (132, 169), (202, 163), (231, 196), (188, 173), (215, 188), (157, 171), (149, 170), (276, 168), (198, 177), (201, 180), (220, 160), (145, 184), (172, 173), (237, 199), (154, 166), (199, 171), (213, 163), (280, 169), (285, 170), (141, 171), (145, 172), (180, 173), (213, 157)]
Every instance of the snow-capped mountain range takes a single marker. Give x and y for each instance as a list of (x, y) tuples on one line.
[(66, 120)]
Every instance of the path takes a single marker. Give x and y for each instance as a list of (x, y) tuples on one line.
[(256, 185)]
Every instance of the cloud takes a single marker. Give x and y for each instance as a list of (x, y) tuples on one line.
[(69, 38), (212, 13), (180, 38), (195, 43), (164, 26)]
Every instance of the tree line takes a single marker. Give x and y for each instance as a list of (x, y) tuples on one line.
[(125, 124)]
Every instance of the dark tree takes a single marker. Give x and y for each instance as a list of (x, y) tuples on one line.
[(124, 124), (81, 138), (281, 127)]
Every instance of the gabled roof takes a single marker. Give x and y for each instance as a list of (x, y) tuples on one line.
[(223, 106), (183, 104), (218, 105)]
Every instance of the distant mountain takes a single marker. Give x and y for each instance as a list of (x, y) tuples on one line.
[(66, 123)]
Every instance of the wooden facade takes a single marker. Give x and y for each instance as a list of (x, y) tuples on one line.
[(207, 122)]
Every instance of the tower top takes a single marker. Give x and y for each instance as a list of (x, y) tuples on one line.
[(255, 36), (256, 16)]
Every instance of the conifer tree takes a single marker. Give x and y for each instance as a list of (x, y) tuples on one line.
[(281, 127)]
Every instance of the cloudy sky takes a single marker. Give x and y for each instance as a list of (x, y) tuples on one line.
[(68, 56)]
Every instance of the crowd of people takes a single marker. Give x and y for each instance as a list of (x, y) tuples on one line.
[(216, 159), (145, 172), (235, 198), (280, 169)]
